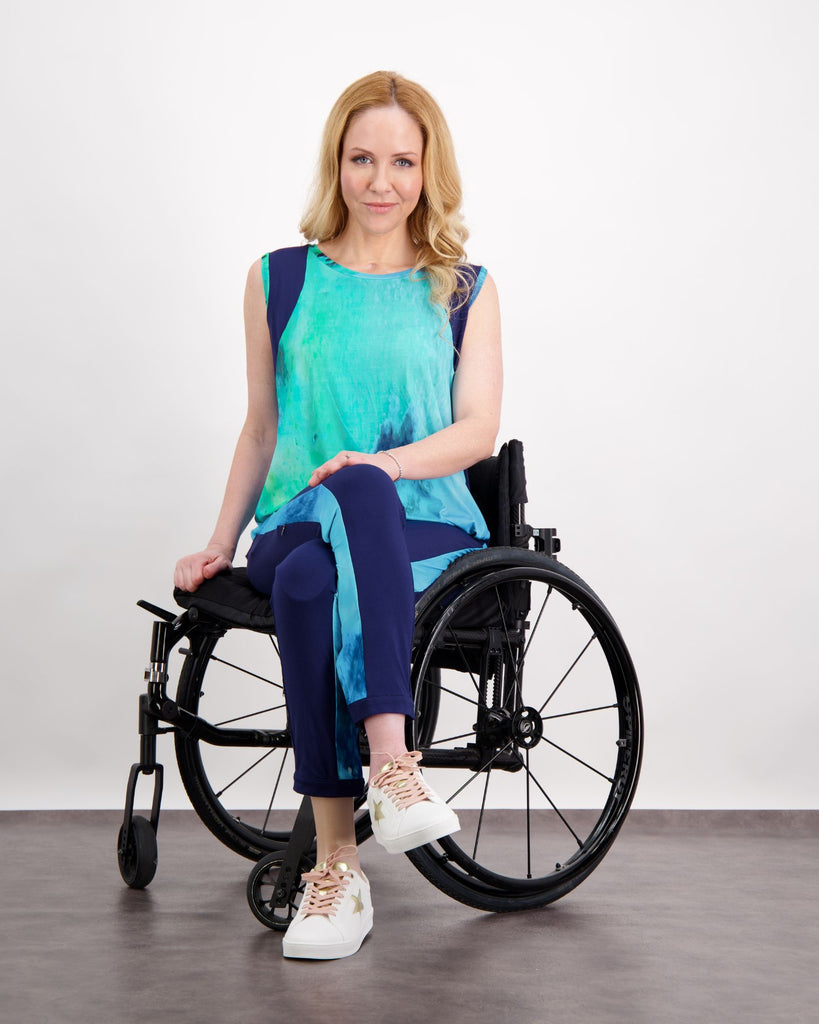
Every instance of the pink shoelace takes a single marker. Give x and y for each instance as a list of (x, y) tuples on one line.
[(401, 779), (326, 884)]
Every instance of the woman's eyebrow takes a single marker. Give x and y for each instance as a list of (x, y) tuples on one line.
[(367, 152)]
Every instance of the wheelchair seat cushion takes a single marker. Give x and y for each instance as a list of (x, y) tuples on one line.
[(230, 599)]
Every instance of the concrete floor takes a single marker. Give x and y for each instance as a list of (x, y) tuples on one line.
[(706, 917)]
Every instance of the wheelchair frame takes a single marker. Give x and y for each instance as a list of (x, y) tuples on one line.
[(474, 626)]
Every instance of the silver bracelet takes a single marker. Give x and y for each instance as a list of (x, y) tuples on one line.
[(395, 460)]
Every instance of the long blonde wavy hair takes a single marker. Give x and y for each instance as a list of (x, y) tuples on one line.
[(435, 225)]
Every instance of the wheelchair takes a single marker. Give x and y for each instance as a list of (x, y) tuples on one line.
[(528, 717)]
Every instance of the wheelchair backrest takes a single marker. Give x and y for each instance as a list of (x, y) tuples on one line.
[(498, 485)]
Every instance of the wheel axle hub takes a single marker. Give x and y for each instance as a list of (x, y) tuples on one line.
[(527, 727)]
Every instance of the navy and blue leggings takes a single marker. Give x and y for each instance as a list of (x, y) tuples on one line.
[(343, 567)]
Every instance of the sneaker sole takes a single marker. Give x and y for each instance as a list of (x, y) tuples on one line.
[(336, 951), (439, 829)]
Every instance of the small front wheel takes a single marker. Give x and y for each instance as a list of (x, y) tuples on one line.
[(272, 899), (137, 853)]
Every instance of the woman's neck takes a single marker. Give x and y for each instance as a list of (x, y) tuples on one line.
[(370, 254)]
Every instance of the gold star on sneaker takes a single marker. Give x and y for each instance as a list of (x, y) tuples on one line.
[(379, 814), (358, 906)]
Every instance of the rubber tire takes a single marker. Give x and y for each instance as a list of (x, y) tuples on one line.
[(138, 865)]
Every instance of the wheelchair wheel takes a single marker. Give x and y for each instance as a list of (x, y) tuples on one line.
[(137, 853), (243, 794), (530, 720), (273, 906)]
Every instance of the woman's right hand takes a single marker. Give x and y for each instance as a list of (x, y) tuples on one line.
[(192, 570)]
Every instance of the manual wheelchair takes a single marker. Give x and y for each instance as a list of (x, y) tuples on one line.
[(528, 716)]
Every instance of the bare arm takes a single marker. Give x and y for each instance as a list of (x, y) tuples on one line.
[(254, 449), (476, 399)]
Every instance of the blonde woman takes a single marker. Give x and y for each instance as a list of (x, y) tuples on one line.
[(374, 381)]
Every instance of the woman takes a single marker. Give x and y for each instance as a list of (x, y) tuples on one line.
[(374, 380)]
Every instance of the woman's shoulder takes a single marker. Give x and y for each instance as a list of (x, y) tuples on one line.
[(288, 254), (282, 270), (472, 279)]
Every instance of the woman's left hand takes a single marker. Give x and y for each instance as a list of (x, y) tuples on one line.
[(380, 459)]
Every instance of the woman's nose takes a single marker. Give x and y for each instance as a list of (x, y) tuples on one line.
[(380, 181)]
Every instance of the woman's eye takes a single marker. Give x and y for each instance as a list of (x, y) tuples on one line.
[(361, 160)]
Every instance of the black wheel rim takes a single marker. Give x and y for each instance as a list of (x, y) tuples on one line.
[(128, 859), (584, 681)]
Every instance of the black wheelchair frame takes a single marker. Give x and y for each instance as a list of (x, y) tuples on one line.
[(507, 634)]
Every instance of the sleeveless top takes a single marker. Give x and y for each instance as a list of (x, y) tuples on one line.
[(363, 362)]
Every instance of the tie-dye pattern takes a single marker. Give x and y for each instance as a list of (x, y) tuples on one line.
[(365, 364)]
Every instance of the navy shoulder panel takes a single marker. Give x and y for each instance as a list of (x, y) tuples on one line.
[(287, 270), (458, 317)]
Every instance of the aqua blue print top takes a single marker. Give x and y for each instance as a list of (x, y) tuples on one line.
[(364, 362)]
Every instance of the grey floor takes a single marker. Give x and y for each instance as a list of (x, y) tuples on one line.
[(691, 917)]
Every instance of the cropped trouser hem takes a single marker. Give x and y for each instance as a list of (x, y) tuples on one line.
[(332, 788), (397, 704)]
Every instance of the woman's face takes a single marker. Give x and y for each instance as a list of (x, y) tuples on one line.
[(381, 176)]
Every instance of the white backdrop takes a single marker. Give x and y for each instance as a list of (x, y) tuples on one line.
[(641, 180)]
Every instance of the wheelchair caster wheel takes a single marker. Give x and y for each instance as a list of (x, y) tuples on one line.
[(272, 900), (136, 853)]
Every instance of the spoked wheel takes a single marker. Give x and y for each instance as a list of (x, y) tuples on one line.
[(529, 716), (242, 793)]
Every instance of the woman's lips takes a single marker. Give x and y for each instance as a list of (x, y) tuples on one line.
[(380, 207)]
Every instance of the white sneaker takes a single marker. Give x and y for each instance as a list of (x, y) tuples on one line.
[(335, 914), (404, 811)]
